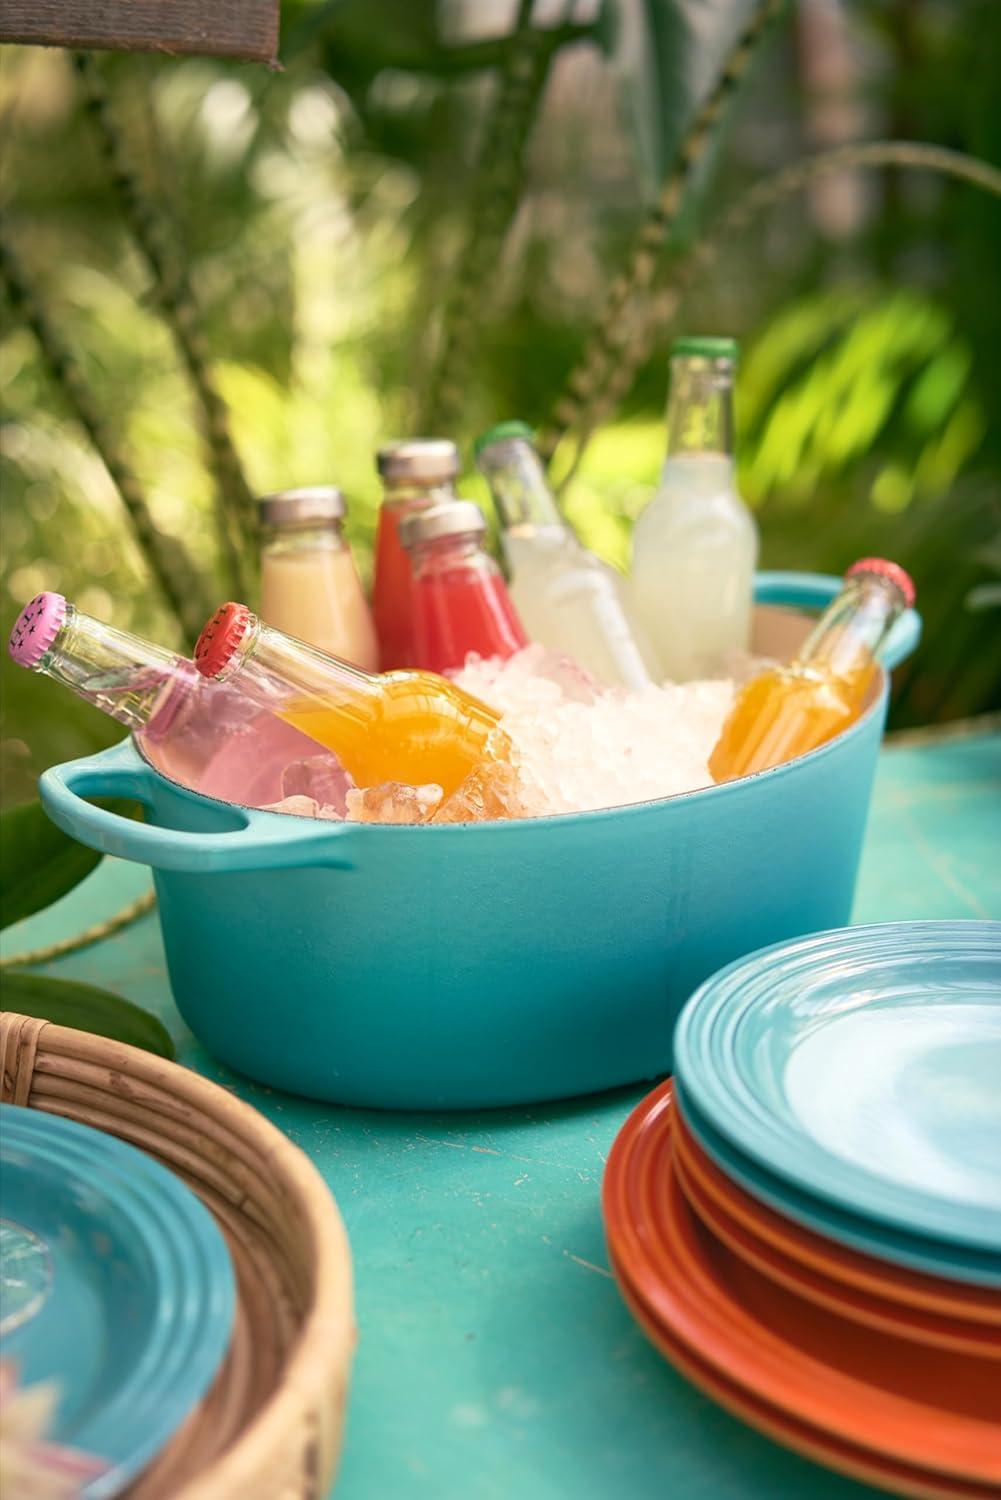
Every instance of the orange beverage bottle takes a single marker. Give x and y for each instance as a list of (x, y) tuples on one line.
[(402, 727), (789, 710)]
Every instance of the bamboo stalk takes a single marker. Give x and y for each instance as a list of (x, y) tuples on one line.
[(149, 226), (619, 313), (497, 191), (167, 558), (656, 314)]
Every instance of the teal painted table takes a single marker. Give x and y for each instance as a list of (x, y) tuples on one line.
[(495, 1357)]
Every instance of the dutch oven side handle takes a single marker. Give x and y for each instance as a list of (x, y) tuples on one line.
[(814, 591), (259, 841)]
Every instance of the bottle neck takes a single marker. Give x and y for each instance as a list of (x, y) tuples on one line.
[(279, 671), (141, 685), (521, 492), (700, 407), (409, 494), (450, 553), (319, 536), (848, 635)]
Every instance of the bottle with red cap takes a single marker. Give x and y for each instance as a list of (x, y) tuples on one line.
[(459, 598), (789, 710), (201, 734), (408, 727)]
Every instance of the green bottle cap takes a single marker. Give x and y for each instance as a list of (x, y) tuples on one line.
[(706, 348), (501, 431)]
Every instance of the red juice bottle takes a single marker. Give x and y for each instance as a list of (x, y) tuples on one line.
[(415, 475), (460, 600)]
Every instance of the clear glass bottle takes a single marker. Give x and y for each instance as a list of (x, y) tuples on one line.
[(787, 711), (460, 600), (202, 734), (309, 583), (415, 474), (403, 727), (695, 545), (567, 598)]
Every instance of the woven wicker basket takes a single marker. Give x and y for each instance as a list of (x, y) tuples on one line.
[(270, 1426)]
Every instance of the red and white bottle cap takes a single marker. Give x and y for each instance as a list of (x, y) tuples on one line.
[(35, 628), (221, 637), (883, 568)]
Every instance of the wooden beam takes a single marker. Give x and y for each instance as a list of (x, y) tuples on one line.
[(213, 28)]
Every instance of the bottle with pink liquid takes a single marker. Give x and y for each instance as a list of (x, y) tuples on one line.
[(459, 600), (205, 735)]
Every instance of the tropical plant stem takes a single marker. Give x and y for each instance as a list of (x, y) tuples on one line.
[(618, 317), (95, 934), (235, 510), (660, 307), (497, 191), (166, 557)]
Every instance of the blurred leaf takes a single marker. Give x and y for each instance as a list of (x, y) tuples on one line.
[(38, 862), (68, 1003), (667, 54)]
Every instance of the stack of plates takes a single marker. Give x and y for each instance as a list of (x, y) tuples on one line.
[(116, 1290), (807, 1220)]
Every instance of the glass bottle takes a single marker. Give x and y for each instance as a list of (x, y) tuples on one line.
[(696, 544), (786, 711), (460, 600), (309, 583), (199, 733), (415, 474), (567, 598), (403, 727)]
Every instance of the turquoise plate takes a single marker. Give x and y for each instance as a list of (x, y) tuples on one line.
[(935, 1257), (115, 1284), (863, 1066)]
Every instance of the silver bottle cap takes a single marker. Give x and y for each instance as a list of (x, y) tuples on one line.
[(316, 503), (420, 461), (450, 518)]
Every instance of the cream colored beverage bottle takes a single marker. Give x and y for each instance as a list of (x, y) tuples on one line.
[(567, 599), (696, 544), (310, 587)]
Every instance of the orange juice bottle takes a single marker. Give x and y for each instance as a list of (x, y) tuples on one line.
[(403, 727), (787, 711)]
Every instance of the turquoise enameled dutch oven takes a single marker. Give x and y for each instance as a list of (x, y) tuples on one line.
[(491, 964)]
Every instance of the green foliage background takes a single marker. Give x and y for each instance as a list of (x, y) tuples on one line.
[(322, 211)]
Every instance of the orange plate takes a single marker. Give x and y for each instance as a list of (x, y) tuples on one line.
[(846, 1458), (935, 1329), (837, 1262), (919, 1406)]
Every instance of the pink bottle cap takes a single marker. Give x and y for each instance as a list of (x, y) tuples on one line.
[(217, 644), (885, 569), (35, 628)]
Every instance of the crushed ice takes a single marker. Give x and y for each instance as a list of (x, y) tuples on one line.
[(576, 747)]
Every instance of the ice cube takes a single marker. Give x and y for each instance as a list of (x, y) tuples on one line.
[(321, 777), (393, 802)]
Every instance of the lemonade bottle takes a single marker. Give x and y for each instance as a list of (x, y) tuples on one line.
[(415, 474), (787, 711), (402, 727), (696, 544), (566, 598)]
